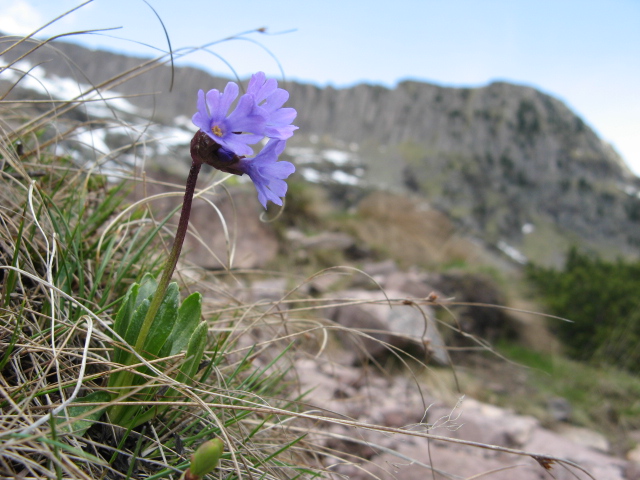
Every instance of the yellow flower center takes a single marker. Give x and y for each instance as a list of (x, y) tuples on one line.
[(217, 131)]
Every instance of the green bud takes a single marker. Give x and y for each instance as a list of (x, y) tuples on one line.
[(206, 457)]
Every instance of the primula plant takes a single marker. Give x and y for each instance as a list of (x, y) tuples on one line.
[(151, 323)]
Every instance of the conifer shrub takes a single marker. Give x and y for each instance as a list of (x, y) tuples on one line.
[(601, 301)]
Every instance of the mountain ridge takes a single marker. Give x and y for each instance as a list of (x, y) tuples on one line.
[(507, 162)]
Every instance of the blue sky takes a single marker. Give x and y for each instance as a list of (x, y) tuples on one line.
[(587, 53)]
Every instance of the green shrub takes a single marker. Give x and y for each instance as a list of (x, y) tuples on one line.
[(601, 300)]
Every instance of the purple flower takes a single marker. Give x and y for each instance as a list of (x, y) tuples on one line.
[(267, 173), (271, 98), (244, 126), (223, 140)]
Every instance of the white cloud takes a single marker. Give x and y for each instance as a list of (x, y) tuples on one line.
[(20, 18)]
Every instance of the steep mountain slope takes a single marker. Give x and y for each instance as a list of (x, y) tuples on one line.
[(497, 158), (509, 163)]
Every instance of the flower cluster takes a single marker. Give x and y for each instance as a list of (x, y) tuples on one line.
[(224, 138)]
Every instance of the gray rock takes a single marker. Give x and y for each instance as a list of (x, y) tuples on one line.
[(382, 325), (269, 289), (397, 402), (325, 241), (601, 466), (367, 333), (479, 422), (414, 460), (584, 436), (412, 283), (632, 471), (559, 408), (384, 268)]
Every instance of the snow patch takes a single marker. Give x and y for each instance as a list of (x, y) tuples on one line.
[(512, 252), (528, 228), (65, 88), (344, 178), (310, 175), (337, 157)]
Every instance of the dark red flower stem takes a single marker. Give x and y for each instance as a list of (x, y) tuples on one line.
[(172, 261)]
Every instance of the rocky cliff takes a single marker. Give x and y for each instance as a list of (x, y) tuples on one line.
[(505, 160)]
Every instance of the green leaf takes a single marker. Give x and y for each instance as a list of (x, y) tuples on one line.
[(123, 317), (195, 352), (188, 369), (121, 355), (163, 323), (132, 312), (133, 331), (79, 427), (137, 293), (188, 320), (148, 287)]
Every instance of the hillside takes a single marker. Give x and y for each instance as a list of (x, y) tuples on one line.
[(509, 164)]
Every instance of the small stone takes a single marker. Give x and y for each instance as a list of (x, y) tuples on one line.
[(585, 437), (559, 408)]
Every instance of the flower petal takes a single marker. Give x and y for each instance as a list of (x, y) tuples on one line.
[(256, 80), (276, 100), (262, 198), (281, 169), (213, 104), (201, 103), (278, 187), (261, 88), (236, 144), (280, 133), (227, 98), (247, 117), (272, 196), (203, 122), (270, 152), (283, 116)]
